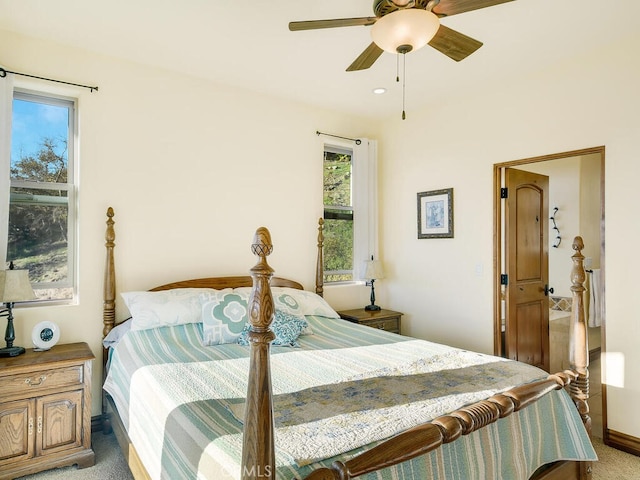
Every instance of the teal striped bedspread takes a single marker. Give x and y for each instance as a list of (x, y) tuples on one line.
[(346, 389)]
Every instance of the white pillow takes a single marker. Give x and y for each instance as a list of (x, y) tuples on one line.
[(297, 302), (301, 302), (166, 307), (116, 333)]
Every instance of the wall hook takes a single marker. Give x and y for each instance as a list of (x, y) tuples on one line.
[(558, 239)]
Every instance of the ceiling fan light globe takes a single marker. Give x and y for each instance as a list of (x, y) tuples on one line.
[(413, 26)]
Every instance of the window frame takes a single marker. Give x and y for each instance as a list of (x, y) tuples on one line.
[(70, 187), (341, 150)]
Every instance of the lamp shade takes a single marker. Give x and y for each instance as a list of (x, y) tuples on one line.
[(373, 270), (15, 286), (411, 26)]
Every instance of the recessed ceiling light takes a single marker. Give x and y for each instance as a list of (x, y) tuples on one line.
[(379, 90)]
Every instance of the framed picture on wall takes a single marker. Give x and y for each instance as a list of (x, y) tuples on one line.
[(435, 214)]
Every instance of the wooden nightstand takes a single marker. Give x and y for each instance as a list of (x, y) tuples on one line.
[(383, 319), (45, 410)]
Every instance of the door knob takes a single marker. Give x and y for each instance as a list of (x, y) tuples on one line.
[(547, 290)]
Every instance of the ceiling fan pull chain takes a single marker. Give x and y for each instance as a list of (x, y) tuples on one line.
[(398, 67), (404, 78)]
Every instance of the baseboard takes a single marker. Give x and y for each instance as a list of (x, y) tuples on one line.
[(97, 423), (622, 441)]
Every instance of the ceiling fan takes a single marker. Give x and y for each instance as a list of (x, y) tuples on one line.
[(400, 26)]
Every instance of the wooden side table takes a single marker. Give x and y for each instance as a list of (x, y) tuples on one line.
[(383, 319), (45, 410)]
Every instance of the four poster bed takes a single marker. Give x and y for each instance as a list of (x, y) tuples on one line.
[(189, 395)]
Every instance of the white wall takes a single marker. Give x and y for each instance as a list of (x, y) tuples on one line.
[(191, 169), (445, 286)]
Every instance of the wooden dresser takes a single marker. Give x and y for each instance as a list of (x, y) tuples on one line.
[(383, 319), (45, 410)]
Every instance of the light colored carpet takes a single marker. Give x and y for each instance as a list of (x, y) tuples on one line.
[(614, 464), (110, 464)]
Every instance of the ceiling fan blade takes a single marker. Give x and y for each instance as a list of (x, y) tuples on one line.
[(454, 44), (366, 58), (447, 8), (336, 22)]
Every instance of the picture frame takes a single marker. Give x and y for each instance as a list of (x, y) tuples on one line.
[(435, 214)]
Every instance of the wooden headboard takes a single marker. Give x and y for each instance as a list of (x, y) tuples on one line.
[(226, 282)]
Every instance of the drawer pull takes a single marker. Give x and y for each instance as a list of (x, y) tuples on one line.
[(40, 424), (31, 383), (30, 425)]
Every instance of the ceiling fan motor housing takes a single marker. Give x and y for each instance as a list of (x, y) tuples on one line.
[(384, 7)]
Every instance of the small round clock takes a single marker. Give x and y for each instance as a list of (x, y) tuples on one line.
[(45, 335)]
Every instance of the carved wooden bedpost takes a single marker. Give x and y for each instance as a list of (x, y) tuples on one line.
[(258, 451), (579, 348), (109, 305), (319, 261), (109, 310)]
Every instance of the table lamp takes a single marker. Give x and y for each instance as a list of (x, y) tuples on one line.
[(372, 272), (14, 287)]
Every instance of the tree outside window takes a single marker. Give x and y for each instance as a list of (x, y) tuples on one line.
[(338, 215)]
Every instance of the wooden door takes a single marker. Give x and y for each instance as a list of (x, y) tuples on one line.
[(527, 267)]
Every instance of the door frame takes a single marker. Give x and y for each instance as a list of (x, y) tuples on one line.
[(497, 245)]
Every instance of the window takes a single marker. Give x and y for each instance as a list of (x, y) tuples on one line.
[(350, 201), (338, 215), (40, 234)]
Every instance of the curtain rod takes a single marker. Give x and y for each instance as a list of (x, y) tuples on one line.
[(3, 73), (357, 140)]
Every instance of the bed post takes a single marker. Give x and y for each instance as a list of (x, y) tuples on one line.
[(108, 305), (579, 348), (258, 451), (319, 261), (109, 296)]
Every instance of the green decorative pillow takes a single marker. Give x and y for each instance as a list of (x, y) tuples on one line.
[(224, 317), (286, 327)]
